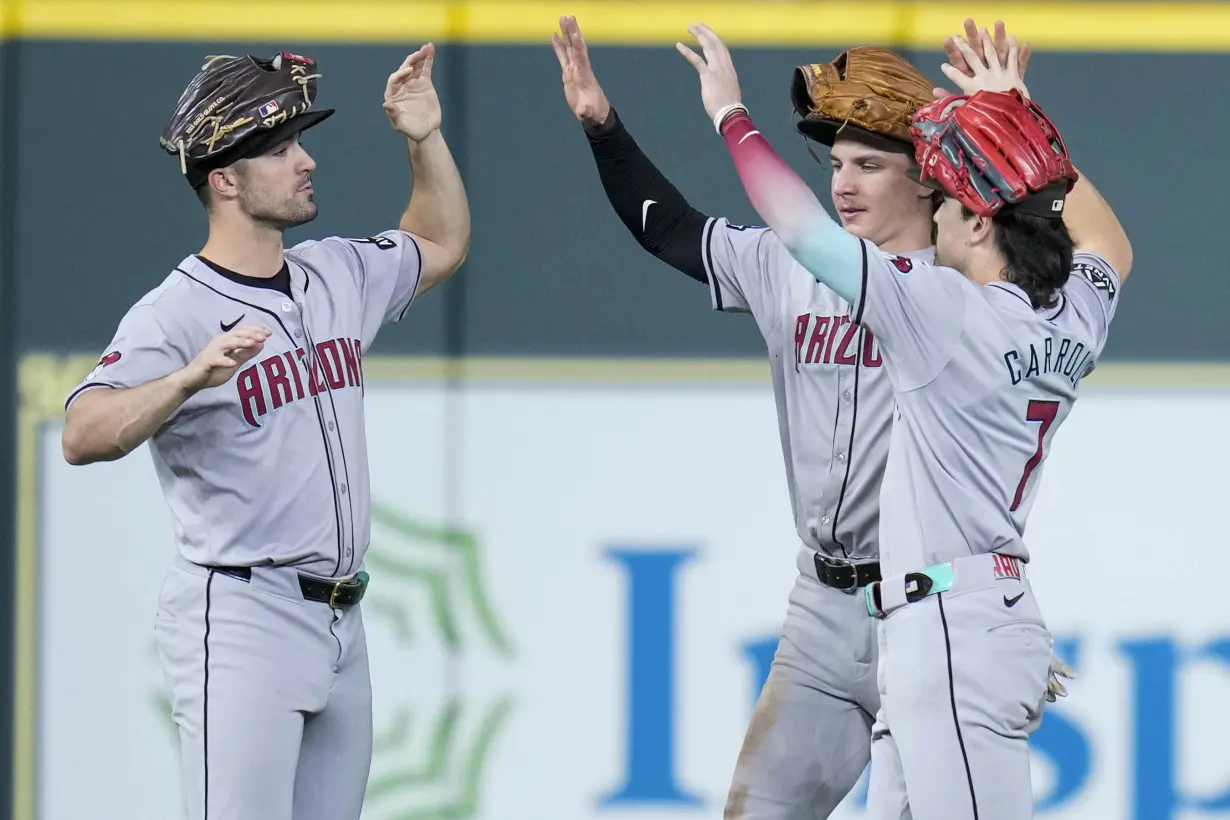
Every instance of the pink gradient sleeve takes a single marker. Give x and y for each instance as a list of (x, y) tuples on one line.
[(789, 207)]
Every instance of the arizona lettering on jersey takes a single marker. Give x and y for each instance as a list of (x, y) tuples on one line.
[(816, 341), (294, 413), (278, 380), (834, 405)]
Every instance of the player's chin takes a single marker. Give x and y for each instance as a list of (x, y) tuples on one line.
[(300, 214), (858, 225), (305, 211)]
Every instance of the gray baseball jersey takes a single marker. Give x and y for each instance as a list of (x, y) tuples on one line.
[(809, 738), (983, 382), (834, 401), (266, 477), (270, 467)]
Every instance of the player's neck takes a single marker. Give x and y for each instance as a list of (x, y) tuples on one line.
[(244, 247), (986, 267), (909, 239)]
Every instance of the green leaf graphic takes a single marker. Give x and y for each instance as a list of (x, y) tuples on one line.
[(443, 765), (466, 546)]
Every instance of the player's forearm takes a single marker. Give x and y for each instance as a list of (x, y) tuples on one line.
[(789, 207), (105, 424), (1095, 227), (439, 210), (651, 208)]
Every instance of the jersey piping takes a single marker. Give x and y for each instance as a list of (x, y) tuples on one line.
[(328, 445), (337, 507), (858, 366), (707, 240)]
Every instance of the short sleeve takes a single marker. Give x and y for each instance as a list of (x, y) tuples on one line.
[(1092, 291), (916, 310), (145, 348), (387, 268), (747, 267)]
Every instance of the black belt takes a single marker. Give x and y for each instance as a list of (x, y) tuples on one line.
[(341, 594), (844, 575)]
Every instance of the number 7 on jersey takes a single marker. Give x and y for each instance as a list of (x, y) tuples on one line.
[(1043, 413)]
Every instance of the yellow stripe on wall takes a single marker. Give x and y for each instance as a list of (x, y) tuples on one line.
[(1123, 26)]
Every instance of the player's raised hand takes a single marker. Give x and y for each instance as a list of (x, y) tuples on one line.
[(585, 97), (979, 65), (959, 59), (719, 84), (224, 355), (410, 98)]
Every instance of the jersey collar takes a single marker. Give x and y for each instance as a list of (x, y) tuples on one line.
[(235, 287)]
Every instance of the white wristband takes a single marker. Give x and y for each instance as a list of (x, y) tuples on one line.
[(725, 112)]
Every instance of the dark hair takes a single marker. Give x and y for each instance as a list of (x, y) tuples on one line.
[(937, 199), (1037, 251)]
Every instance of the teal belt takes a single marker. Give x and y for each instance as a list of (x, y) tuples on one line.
[(916, 586)]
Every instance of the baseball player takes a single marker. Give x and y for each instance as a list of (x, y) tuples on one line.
[(985, 350), (243, 370), (809, 737)]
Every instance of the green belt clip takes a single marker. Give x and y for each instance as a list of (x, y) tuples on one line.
[(918, 585)]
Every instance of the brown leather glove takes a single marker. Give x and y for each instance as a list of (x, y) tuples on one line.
[(240, 106), (870, 88)]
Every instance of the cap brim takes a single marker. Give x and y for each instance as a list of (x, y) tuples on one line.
[(914, 172), (262, 141), (257, 144), (827, 132)]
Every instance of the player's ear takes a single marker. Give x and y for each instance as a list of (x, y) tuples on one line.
[(982, 229), (224, 182)]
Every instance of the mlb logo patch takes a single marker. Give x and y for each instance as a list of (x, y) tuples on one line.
[(268, 108)]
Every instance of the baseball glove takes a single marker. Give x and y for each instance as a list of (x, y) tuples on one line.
[(238, 107), (870, 92), (991, 150)]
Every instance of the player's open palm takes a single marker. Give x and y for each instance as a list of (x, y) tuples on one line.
[(410, 98), (982, 64), (958, 61), (224, 355), (585, 97), (719, 83)]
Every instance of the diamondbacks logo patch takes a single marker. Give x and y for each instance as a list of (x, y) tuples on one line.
[(106, 361), (903, 263), (1100, 279)]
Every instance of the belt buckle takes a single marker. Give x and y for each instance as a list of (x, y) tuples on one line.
[(833, 562), (337, 586), (359, 579)]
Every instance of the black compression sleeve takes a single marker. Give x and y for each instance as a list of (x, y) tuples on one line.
[(671, 229)]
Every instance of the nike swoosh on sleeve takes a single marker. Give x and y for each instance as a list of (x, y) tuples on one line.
[(645, 212)]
